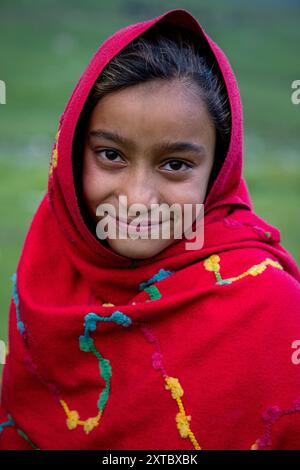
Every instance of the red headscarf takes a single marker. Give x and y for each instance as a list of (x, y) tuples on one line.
[(185, 350)]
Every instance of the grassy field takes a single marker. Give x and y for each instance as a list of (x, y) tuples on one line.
[(44, 48)]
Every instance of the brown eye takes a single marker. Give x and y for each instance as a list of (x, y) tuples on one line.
[(176, 165), (109, 155)]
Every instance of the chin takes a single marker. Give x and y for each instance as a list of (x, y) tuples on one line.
[(138, 249)]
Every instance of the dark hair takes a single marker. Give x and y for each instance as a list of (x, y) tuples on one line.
[(165, 52)]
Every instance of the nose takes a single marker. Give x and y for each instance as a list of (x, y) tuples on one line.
[(141, 190)]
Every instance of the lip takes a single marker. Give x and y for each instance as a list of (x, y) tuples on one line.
[(141, 225)]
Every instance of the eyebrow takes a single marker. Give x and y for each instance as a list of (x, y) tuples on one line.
[(161, 147)]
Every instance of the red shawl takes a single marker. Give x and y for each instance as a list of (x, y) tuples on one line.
[(189, 349)]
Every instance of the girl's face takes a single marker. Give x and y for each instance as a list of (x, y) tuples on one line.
[(153, 143)]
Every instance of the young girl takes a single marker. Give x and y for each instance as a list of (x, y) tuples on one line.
[(136, 343)]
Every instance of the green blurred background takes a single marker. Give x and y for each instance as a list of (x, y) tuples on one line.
[(46, 45)]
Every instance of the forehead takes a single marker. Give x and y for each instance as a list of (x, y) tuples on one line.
[(155, 109)]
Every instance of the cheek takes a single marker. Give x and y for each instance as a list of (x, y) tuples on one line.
[(95, 183), (192, 191)]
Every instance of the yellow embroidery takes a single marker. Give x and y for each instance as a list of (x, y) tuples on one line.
[(213, 264), (254, 446), (182, 420), (73, 419), (54, 155)]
